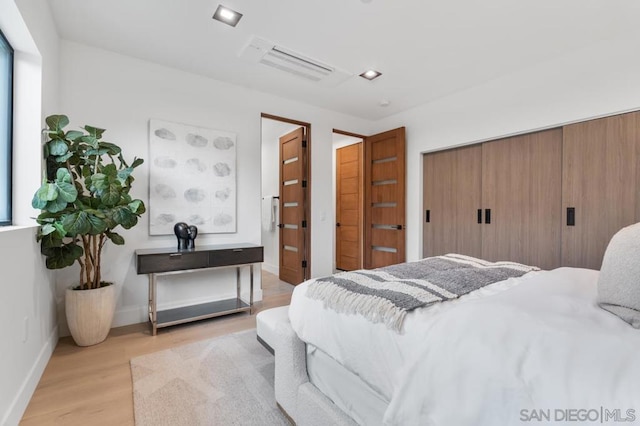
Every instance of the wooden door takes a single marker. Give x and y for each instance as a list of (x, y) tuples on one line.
[(451, 198), (384, 212), (293, 198), (349, 207), (521, 197), (600, 182)]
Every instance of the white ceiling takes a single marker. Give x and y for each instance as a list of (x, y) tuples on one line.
[(426, 49)]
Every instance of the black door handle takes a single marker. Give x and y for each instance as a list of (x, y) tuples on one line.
[(479, 215), (427, 216), (338, 224), (281, 225), (399, 227), (571, 216), (487, 215)]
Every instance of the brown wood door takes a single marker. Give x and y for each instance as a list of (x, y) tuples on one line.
[(451, 198), (384, 186), (349, 207), (600, 181), (293, 189), (521, 190)]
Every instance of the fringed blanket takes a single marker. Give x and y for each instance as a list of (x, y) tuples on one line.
[(386, 294)]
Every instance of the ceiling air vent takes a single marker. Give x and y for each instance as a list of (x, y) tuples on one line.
[(283, 59)]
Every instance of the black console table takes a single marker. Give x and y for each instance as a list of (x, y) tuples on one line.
[(156, 262)]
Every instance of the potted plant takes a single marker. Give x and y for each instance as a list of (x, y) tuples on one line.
[(84, 197)]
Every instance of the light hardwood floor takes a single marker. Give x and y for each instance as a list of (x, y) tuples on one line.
[(92, 386)]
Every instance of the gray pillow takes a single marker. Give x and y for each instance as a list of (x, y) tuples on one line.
[(619, 280)]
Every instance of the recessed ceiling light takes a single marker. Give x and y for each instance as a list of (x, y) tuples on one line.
[(227, 16), (370, 74)]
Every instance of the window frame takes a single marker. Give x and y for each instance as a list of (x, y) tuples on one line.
[(8, 150)]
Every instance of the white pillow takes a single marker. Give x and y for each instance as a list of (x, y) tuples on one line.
[(619, 281)]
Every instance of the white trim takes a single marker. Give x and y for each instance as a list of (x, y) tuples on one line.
[(19, 404)]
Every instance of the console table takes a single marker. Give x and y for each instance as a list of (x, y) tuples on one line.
[(166, 261)]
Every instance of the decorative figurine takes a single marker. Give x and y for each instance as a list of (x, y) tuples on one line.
[(186, 235)]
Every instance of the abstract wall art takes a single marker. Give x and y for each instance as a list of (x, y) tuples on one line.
[(192, 178)]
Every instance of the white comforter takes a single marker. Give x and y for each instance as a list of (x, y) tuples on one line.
[(509, 353)]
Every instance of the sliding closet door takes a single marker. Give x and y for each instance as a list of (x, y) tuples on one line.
[(451, 199), (600, 184), (521, 198)]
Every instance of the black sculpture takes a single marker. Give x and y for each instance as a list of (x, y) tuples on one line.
[(186, 235)]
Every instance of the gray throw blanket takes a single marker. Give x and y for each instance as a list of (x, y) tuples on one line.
[(385, 295)]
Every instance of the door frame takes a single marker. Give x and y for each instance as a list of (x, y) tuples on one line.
[(307, 207)]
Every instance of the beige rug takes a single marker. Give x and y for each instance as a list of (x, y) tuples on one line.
[(223, 381)]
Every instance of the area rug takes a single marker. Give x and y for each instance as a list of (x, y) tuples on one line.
[(222, 381)]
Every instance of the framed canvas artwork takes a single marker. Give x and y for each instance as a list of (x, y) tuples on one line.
[(192, 178)]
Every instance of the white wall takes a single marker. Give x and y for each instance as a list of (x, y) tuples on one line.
[(599, 80), (28, 324), (271, 132), (121, 94)]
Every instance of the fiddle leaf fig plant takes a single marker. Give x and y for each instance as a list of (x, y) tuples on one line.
[(84, 197)]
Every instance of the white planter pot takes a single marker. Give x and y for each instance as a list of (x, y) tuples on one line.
[(90, 314)]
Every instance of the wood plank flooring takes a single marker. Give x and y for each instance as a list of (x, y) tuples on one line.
[(92, 386)]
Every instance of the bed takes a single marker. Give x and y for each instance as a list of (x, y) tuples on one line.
[(531, 348)]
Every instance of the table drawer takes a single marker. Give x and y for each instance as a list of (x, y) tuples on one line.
[(172, 262), (236, 256)]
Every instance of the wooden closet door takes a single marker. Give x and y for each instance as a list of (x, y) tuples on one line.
[(451, 199), (521, 198), (600, 181)]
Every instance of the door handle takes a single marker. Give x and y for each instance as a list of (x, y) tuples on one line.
[(399, 227), (338, 224), (487, 216), (427, 216), (479, 215), (281, 225), (571, 216)]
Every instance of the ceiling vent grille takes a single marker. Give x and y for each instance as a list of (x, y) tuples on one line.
[(283, 59)]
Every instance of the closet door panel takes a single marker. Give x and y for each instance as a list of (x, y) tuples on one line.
[(452, 194), (521, 185), (600, 160)]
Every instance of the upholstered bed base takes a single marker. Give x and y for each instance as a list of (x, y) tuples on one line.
[(301, 401)]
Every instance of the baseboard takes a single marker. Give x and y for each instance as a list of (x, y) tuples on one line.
[(275, 270), (21, 401)]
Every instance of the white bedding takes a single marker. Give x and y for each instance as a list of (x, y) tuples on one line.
[(538, 342)]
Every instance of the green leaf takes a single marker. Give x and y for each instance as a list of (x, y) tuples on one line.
[(123, 174), (67, 192), (90, 140), (123, 216), (112, 149), (97, 225), (47, 192), (137, 206), (137, 162), (63, 175), (97, 151), (57, 122), (56, 205), (72, 135), (61, 257), (64, 158), (94, 131), (37, 202), (58, 147), (115, 238), (77, 223), (111, 171), (49, 241), (111, 196), (98, 181), (47, 229)]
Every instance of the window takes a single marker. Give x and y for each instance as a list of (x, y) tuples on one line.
[(6, 131)]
